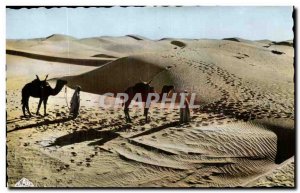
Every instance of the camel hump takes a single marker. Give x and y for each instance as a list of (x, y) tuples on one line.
[(39, 83), (36, 81)]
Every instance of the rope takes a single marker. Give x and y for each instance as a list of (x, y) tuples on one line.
[(66, 97)]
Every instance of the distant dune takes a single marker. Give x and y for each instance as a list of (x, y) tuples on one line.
[(233, 39), (268, 42), (104, 56), (284, 43), (178, 43), (61, 47), (137, 37), (78, 61)]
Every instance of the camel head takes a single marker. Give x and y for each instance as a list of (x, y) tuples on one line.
[(61, 82), (147, 83), (149, 88), (167, 89), (144, 87), (59, 85)]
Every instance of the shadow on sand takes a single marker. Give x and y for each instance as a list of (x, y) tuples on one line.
[(286, 138), (42, 123), (89, 135), (286, 142), (156, 129), (85, 135), (103, 136)]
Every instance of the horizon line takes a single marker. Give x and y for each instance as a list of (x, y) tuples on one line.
[(146, 38)]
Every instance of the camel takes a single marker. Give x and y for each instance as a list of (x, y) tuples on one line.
[(144, 89), (39, 89)]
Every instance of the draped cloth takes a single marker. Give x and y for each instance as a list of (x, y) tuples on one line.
[(75, 103), (185, 112)]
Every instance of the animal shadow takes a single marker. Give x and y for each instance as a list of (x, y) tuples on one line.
[(42, 123), (89, 135)]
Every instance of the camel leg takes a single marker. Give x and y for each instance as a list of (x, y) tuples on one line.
[(146, 110), (27, 107), (127, 117), (126, 111), (23, 108), (25, 100), (45, 106), (38, 109)]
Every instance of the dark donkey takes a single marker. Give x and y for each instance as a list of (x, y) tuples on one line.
[(144, 89)]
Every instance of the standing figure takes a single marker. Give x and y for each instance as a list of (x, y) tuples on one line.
[(185, 110), (75, 102)]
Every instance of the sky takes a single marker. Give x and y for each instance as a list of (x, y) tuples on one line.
[(216, 22)]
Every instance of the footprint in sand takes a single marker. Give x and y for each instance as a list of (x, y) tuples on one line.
[(74, 153)]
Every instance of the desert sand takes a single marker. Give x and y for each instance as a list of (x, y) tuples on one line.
[(242, 135)]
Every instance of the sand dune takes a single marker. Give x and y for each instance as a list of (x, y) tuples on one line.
[(85, 62), (211, 69), (68, 49), (241, 136)]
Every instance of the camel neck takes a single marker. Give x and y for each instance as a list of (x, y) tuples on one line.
[(57, 89)]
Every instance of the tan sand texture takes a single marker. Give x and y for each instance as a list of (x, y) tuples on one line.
[(241, 136)]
